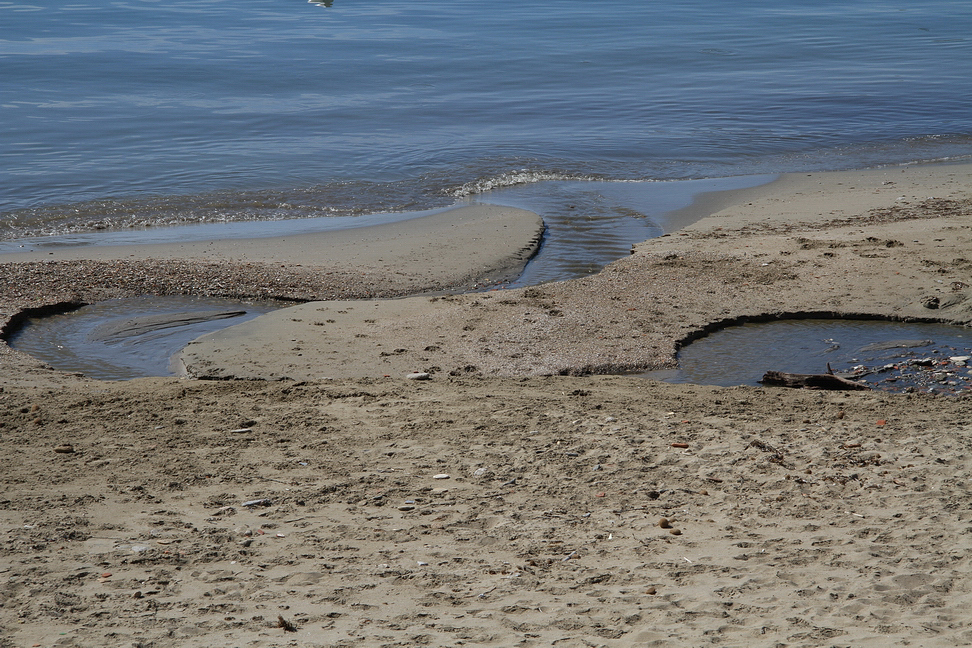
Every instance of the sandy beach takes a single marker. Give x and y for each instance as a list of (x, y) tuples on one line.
[(315, 496)]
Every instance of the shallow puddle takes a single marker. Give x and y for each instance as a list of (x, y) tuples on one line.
[(121, 339), (893, 356)]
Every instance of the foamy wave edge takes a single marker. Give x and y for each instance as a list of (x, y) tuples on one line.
[(514, 178)]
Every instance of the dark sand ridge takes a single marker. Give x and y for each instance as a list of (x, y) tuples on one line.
[(483, 510)]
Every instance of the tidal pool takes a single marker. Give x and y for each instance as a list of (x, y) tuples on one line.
[(894, 356), (121, 339)]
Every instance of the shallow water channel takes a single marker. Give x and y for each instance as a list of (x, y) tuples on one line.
[(893, 356)]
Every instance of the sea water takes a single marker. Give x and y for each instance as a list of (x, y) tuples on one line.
[(132, 114)]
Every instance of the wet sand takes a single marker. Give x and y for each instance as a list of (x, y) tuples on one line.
[(495, 504)]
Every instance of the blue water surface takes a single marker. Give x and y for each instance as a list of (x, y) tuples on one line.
[(121, 113)]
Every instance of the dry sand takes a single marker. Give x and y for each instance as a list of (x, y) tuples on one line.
[(493, 505)]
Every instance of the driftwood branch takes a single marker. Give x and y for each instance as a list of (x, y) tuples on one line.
[(809, 381)]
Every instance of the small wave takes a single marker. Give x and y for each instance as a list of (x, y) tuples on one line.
[(512, 179)]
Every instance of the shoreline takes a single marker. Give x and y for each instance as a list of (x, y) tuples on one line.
[(495, 505), (431, 253)]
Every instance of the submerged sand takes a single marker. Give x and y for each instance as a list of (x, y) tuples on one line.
[(494, 505)]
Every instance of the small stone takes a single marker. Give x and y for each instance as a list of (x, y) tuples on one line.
[(665, 523), (406, 508), (675, 531), (651, 590), (441, 476), (64, 448), (418, 375)]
